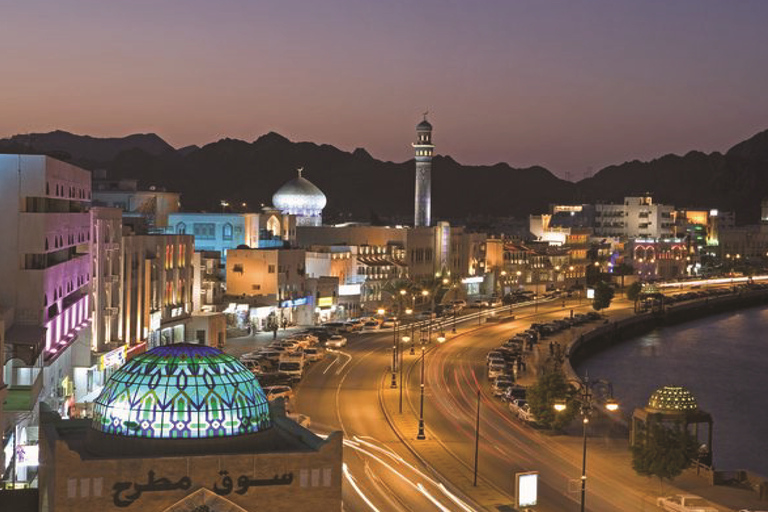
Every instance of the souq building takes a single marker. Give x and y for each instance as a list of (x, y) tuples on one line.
[(186, 427)]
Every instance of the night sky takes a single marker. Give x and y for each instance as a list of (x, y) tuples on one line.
[(571, 85)]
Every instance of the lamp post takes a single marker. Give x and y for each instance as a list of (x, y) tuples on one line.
[(440, 339), (420, 434), (585, 397)]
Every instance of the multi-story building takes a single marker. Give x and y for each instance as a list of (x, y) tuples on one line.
[(208, 280), (266, 287), (153, 205), (636, 217), (221, 232), (157, 289), (106, 282), (45, 269)]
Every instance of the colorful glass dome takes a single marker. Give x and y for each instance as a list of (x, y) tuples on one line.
[(672, 399), (182, 391)]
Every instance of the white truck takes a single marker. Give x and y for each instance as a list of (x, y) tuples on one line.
[(684, 503), (291, 365)]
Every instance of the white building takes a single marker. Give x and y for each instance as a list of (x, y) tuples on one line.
[(45, 273), (636, 217)]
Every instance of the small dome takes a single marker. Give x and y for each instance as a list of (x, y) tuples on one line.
[(182, 391), (424, 125), (672, 399), (299, 195)]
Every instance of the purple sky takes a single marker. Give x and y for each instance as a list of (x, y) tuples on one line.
[(572, 85)]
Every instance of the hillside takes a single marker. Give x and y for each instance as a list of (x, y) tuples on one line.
[(360, 187)]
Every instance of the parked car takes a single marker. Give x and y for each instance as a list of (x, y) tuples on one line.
[(514, 393), (314, 354), (336, 341), (426, 315), (525, 414), (501, 384), (274, 392), (337, 326), (388, 323), (370, 325), (497, 369), (684, 503), (272, 355)]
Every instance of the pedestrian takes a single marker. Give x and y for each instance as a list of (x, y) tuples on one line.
[(551, 348), (274, 332)]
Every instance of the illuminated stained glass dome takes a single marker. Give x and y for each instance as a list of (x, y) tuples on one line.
[(672, 399), (182, 391)]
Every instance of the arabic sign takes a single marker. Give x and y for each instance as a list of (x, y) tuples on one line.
[(125, 493)]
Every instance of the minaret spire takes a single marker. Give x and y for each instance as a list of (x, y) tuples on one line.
[(424, 148)]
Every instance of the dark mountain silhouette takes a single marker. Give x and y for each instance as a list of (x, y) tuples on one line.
[(360, 187), (85, 148)]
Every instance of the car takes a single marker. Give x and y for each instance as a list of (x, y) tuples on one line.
[(521, 409), (336, 341), (274, 392), (496, 360), (314, 354), (480, 303), (426, 315), (497, 369), (501, 384), (337, 326), (684, 503), (388, 323), (354, 326), (272, 355), (514, 392)]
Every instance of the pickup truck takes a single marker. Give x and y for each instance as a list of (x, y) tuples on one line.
[(684, 503)]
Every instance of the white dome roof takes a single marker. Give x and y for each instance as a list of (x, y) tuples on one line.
[(299, 196)]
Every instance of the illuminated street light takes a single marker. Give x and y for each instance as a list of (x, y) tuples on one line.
[(381, 311), (585, 397)]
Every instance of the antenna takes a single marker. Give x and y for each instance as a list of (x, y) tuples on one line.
[(300, 170)]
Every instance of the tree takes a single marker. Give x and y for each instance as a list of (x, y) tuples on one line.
[(542, 395), (623, 269), (603, 296), (663, 451), (633, 292)]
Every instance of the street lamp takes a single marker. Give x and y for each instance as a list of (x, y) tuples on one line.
[(420, 434), (585, 397)]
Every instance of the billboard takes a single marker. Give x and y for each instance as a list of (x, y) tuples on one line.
[(526, 489)]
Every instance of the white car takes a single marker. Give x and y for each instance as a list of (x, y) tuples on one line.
[(336, 341), (273, 392), (496, 370), (684, 503), (314, 354)]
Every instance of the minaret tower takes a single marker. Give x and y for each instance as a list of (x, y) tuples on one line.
[(424, 148)]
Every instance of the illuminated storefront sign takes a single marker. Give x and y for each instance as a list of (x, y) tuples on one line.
[(325, 302), (349, 289), (114, 359), (301, 301), (472, 280), (177, 312), (27, 455)]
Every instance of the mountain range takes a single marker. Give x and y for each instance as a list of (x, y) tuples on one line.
[(359, 187)]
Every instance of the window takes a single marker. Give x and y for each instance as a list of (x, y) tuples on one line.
[(256, 287), (226, 231), (271, 269), (238, 267), (181, 228), (204, 231)]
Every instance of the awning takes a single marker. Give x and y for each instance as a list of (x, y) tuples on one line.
[(25, 342)]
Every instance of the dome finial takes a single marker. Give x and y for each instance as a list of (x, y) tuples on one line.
[(425, 114), (300, 170)]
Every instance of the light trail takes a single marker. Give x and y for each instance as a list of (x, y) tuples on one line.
[(357, 489), (432, 499), (721, 280)]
